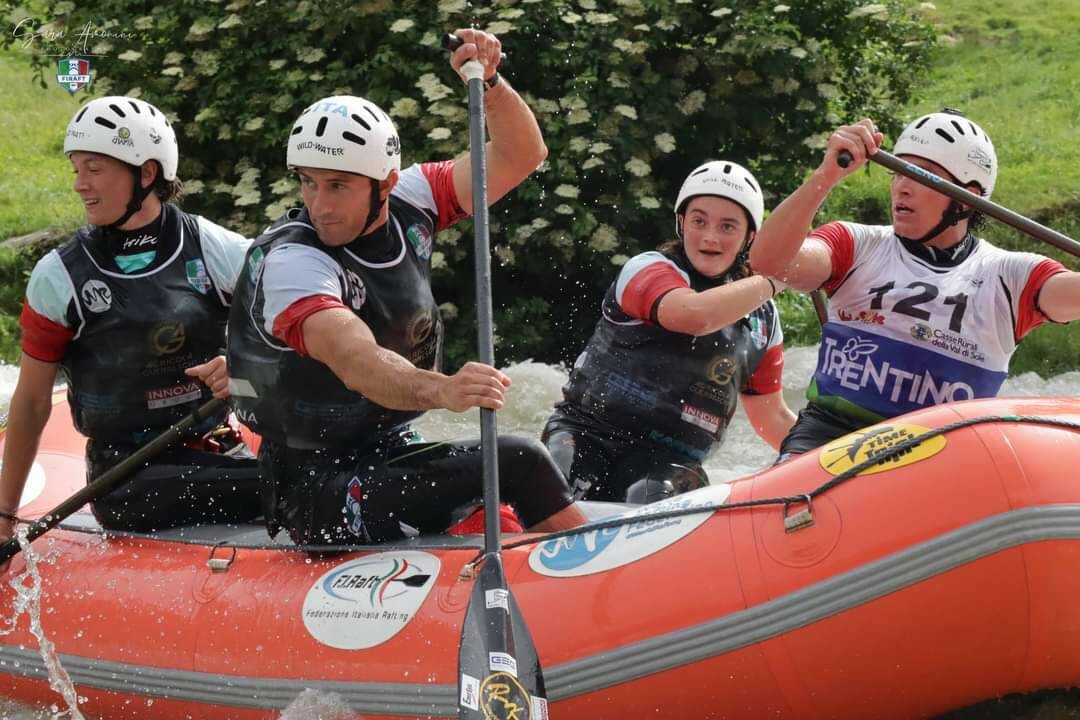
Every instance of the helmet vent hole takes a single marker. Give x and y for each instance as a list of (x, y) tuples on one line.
[(751, 183), (974, 130), (353, 138), (922, 122), (727, 168), (297, 130), (321, 127), (81, 113), (958, 126), (373, 115), (106, 122), (153, 113), (134, 107), (116, 109), (702, 170), (362, 121), (947, 136)]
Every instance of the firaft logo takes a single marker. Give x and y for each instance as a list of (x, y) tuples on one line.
[(73, 73)]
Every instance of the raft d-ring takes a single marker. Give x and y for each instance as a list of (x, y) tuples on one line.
[(220, 564), (801, 519)]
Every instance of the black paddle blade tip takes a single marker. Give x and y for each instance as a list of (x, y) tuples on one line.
[(499, 670)]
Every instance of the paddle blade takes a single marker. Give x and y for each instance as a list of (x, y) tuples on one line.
[(500, 675)]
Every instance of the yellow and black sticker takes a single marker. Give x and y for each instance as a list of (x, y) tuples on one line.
[(503, 698), (844, 453)]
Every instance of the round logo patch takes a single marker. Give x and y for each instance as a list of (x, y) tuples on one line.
[(365, 602), (503, 698), (96, 296), (845, 453)]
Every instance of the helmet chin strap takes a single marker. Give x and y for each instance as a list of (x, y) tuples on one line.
[(375, 207), (138, 194), (952, 215)]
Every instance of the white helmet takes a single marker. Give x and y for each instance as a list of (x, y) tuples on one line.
[(956, 144), (345, 133), (128, 129), (727, 180)]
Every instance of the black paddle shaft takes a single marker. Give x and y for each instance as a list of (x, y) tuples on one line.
[(943, 186), (112, 478), (486, 347), (499, 672)]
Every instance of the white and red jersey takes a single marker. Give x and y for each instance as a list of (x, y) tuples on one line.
[(904, 333)]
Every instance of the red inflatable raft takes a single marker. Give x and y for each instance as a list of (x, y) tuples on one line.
[(943, 574)]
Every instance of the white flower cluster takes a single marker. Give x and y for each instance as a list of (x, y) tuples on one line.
[(868, 10), (604, 238), (433, 88), (404, 108), (692, 103), (638, 167)]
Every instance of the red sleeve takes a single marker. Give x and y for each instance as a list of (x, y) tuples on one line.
[(841, 245), (641, 296), (440, 176), (289, 324), (42, 338), (1029, 316), (767, 376)]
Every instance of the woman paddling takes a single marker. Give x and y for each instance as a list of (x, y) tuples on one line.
[(131, 313), (686, 330)]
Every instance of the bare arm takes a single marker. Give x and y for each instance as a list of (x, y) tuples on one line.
[(516, 147), (1059, 298), (344, 342), (779, 249), (699, 313), (770, 416), (31, 405)]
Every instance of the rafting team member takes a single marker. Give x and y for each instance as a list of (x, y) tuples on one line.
[(922, 312), (335, 339), (131, 312), (686, 330)]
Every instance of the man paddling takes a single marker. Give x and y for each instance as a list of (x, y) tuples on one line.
[(335, 338), (922, 311)]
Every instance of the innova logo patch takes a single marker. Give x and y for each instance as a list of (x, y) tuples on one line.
[(601, 550), (365, 602)]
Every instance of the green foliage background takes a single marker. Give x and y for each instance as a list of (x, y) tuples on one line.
[(630, 94)]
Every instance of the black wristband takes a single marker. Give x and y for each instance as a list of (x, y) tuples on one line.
[(492, 81), (771, 284)]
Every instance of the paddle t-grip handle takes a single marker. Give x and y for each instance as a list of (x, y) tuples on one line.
[(452, 42), (844, 158)]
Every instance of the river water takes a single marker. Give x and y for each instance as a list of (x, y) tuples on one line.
[(536, 387)]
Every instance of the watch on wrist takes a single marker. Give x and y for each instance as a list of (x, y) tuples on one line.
[(492, 81)]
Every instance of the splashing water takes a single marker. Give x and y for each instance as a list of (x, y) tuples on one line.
[(27, 587), (316, 705)]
